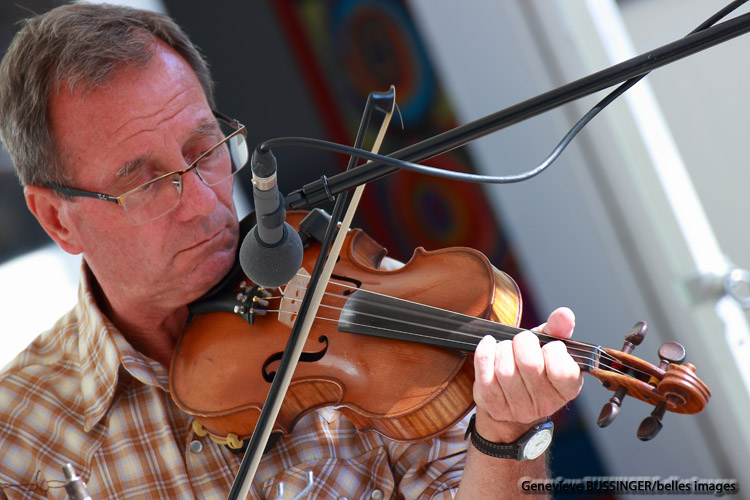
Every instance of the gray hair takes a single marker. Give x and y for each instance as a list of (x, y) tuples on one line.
[(74, 45)]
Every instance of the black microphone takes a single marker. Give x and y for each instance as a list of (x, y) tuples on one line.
[(271, 253)]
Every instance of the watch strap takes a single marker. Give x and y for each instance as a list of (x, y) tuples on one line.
[(497, 450), (515, 450)]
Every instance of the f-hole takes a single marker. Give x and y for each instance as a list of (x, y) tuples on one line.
[(356, 283), (305, 357)]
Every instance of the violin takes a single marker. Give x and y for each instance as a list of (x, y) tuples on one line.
[(390, 349)]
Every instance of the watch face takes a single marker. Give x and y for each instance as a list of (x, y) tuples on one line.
[(537, 444)]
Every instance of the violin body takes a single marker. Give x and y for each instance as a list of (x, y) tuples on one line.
[(390, 349), (223, 366)]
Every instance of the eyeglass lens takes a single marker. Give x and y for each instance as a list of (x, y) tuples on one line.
[(220, 163)]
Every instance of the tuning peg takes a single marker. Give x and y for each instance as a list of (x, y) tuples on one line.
[(671, 352), (651, 425), (612, 409), (635, 336)]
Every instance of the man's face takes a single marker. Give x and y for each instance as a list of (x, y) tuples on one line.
[(144, 122)]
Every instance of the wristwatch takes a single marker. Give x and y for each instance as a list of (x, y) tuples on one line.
[(528, 447)]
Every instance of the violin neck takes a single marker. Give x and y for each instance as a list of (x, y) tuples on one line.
[(371, 313)]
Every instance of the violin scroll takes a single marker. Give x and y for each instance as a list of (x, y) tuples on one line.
[(671, 386)]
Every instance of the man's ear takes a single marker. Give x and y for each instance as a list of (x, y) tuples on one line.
[(48, 209)]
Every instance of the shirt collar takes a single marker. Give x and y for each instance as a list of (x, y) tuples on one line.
[(103, 350)]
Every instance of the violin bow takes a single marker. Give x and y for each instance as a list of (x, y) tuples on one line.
[(376, 101)]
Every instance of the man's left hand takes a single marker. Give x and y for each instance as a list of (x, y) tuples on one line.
[(519, 382)]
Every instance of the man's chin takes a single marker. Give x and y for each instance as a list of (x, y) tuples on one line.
[(209, 272)]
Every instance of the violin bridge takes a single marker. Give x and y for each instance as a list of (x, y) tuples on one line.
[(292, 297)]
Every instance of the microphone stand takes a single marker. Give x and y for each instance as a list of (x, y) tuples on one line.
[(323, 190), (384, 102)]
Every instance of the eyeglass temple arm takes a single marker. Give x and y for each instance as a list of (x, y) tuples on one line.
[(88, 194), (101, 196), (227, 119)]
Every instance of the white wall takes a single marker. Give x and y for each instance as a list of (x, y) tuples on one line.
[(596, 232), (705, 100), (29, 306)]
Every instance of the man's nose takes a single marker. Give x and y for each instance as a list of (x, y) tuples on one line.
[(197, 197)]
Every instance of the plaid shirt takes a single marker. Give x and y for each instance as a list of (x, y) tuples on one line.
[(80, 394)]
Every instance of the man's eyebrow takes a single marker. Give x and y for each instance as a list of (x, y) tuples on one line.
[(132, 165), (205, 127)]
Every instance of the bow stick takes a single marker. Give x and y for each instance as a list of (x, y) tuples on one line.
[(376, 101)]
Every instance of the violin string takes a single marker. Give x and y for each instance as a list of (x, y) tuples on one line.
[(579, 358), (541, 335), (576, 354), (572, 345), (576, 357), (569, 342)]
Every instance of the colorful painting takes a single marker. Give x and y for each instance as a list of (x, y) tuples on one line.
[(349, 48)]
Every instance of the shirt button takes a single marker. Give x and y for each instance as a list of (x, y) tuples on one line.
[(196, 446), (376, 495)]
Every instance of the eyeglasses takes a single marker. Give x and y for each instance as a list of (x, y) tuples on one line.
[(161, 195)]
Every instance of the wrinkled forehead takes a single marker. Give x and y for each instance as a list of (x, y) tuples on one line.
[(134, 104)]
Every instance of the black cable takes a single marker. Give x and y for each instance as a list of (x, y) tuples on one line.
[(309, 142), (466, 177), (627, 85)]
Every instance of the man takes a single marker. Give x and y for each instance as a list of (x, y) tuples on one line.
[(100, 106)]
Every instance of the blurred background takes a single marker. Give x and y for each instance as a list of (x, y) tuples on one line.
[(642, 218)]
